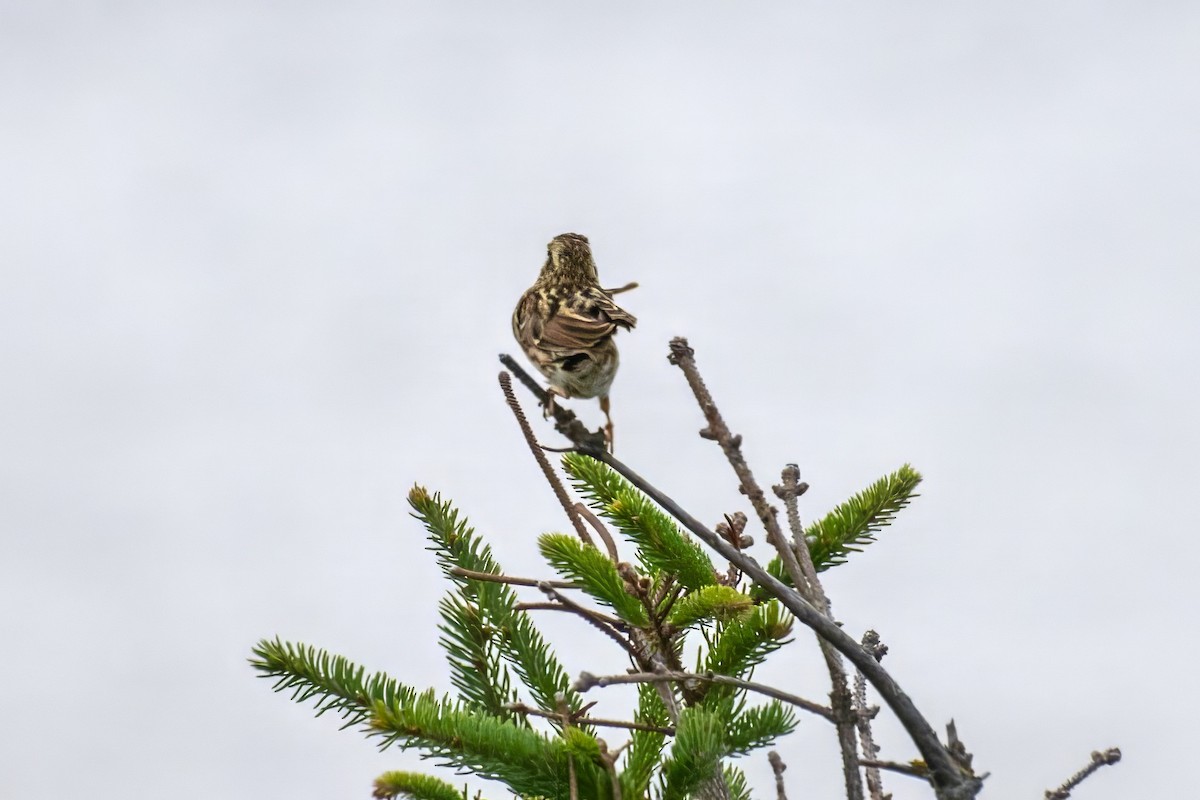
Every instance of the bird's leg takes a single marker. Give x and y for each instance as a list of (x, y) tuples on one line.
[(551, 392), (608, 423)]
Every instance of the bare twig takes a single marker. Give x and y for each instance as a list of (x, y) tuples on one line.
[(609, 760), (521, 708), (564, 716), (866, 738), (683, 357), (543, 462), (592, 617), (491, 577), (788, 491), (601, 529), (799, 565), (565, 421), (605, 618), (805, 580), (777, 766), (588, 681), (949, 781), (1100, 759)]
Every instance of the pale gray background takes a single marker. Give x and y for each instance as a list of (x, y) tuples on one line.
[(259, 259)]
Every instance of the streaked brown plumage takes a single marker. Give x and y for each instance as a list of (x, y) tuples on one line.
[(565, 323)]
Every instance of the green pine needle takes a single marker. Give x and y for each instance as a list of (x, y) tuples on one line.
[(759, 726), (662, 547), (530, 763), (722, 603), (594, 572), (481, 619), (645, 748), (695, 755), (415, 786), (740, 645), (735, 779), (335, 682)]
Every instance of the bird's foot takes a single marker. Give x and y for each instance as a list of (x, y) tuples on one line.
[(549, 406)]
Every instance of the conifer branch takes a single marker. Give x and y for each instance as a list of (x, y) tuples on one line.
[(589, 568), (695, 755), (949, 781), (756, 727), (723, 603), (673, 597), (414, 786), (645, 746), (335, 682), (662, 547), (735, 781), (742, 644), (469, 563), (530, 763)]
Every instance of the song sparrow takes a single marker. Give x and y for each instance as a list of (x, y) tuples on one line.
[(565, 323)]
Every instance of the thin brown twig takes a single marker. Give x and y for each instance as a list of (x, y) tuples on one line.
[(543, 462), (605, 618), (1105, 758), (777, 766), (564, 716), (609, 760), (492, 577), (521, 708), (789, 492), (601, 529), (805, 580), (866, 738), (588, 681), (798, 562), (591, 617)]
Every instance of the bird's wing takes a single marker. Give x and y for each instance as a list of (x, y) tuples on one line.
[(583, 322)]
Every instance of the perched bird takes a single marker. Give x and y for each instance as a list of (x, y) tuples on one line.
[(565, 323)]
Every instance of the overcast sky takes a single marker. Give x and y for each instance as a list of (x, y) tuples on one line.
[(258, 260)]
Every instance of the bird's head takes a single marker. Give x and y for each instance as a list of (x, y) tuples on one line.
[(569, 260)]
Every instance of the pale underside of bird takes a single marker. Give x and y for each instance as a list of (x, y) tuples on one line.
[(565, 323)]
